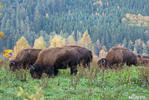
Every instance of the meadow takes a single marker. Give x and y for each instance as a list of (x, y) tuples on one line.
[(127, 83)]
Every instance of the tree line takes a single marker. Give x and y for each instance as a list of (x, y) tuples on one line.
[(101, 18)]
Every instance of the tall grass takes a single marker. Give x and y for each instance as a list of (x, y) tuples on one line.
[(94, 84)]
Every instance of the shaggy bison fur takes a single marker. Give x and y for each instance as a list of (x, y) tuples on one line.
[(52, 59), (120, 55), (103, 62), (85, 55), (24, 59)]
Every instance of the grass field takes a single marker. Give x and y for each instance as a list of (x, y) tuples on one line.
[(128, 83)]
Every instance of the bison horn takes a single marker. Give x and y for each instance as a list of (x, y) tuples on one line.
[(32, 67)]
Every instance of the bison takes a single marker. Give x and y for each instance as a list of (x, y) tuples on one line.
[(142, 60), (103, 62), (85, 55), (24, 59), (52, 59), (145, 57), (121, 55)]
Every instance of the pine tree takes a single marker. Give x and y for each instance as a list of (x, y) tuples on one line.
[(39, 43), (147, 45), (57, 41), (135, 51), (104, 48), (102, 53), (145, 51), (0, 5), (130, 45), (97, 47), (70, 40), (124, 43), (22, 43), (139, 46), (86, 41)]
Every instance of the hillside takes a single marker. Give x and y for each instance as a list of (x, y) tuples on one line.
[(102, 19)]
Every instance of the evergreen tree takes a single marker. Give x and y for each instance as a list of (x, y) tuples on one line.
[(102, 54), (39, 43), (97, 47), (110, 21), (86, 41), (139, 46), (130, 45), (57, 41), (70, 40), (145, 51), (22, 43), (124, 42), (147, 46)]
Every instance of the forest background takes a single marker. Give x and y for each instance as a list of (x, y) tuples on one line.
[(102, 23)]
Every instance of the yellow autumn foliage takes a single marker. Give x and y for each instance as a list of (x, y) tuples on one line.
[(0, 5), (135, 51), (57, 41), (22, 43), (102, 53), (28, 96), (70, 40), (2, 34), (7, 53), (86, 41), (39, 43)]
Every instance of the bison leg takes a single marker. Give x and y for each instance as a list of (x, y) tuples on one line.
[(55, 72), (49, 72), (88, 66), (73, 70)]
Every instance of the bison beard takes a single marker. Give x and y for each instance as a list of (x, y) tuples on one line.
[(24, 59), (52, 59)]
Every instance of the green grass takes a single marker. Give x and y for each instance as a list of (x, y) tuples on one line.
[(115, 85)]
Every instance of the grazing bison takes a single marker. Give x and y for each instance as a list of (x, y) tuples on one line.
[(52, 59), (85, 55), (120, 55), (103, 62), (145, 57), (24, 58), (142, 60), (74, 60)]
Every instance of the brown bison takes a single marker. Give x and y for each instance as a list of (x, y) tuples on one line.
[(52, 59), (145, 57), (142, 60), (85, 55), (103, 62), (120, 55), (24, 59)]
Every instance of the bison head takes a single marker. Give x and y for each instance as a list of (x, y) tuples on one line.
[(103, 62), (35, 71), (13, 65)]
